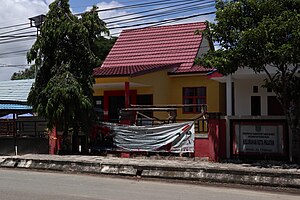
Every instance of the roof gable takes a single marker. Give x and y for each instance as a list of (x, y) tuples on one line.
[(155, 47)]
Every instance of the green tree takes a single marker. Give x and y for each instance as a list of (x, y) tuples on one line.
[(65, 54), (261, 35), (28, 73), (103, 46)]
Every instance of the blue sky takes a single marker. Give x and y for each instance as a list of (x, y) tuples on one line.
[(171, 10), (79, 5)]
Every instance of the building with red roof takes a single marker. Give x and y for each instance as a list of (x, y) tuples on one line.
[(155, 65)]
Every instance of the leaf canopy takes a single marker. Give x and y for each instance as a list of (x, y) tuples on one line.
[(254, 34), (263, 35), (65, 52)]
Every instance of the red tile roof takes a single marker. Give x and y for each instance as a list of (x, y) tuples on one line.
[(146, 49)]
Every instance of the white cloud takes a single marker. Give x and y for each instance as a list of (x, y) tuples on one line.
[(107, 15), (13, 12), (128, 15)]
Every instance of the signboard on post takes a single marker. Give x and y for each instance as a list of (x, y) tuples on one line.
[(259, 138)]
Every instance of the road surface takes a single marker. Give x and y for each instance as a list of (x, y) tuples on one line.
[(30, 185)]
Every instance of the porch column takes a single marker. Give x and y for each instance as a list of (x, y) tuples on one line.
[(229, 95), (229, 112), (127, 95)]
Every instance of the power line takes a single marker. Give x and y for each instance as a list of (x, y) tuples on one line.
[(14, 55), (16, 40), (12, 26), (139, 5), (165, 13), (16, 36), (99, 10), (16, 30), (26, 32), (121, 2), (15, 65), (164, 21), (145, 11), (144, 4), (12, 38), (14, 52)]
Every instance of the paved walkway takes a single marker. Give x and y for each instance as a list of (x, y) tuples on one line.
[(263, 173)]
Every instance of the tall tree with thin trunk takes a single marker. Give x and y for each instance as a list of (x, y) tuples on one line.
[(65, 55), (263, 35)]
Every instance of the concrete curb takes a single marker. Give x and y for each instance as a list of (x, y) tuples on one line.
[(201, 173)]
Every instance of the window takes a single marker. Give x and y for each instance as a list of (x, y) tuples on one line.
[(255, 106), (255, 89), (98, 106), (194, 95), (274, 107), (269, 90)]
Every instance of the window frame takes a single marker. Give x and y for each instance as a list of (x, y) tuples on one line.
[(194, 98)]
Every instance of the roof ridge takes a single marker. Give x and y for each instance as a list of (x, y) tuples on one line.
[(142, 65), (156, 27)]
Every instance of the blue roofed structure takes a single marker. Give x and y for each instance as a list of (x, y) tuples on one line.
[(13, 96), (15, 90), (21, 132), (14, 106)]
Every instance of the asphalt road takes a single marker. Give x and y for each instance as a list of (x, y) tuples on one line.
[(30, 185)]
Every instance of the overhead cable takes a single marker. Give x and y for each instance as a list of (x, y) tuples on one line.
[(13, 26), (164, 21), (16, 30), (146, 11), (139, 5), (162, 14), (16, 40)]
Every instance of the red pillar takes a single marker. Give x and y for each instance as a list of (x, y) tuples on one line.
[(217, 139), (53, 141), (127, 95), (213, 138)]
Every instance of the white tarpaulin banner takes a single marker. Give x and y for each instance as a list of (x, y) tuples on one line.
[(174, 137)]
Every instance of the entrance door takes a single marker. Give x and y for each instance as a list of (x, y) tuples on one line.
[(114, 101)]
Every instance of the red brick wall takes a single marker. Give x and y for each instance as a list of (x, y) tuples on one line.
[(201, 147), (213, 147)]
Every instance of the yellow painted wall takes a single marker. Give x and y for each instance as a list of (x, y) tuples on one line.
[(168, 89), (111, 80), (159, 83), (100, 91), (212, 92)]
